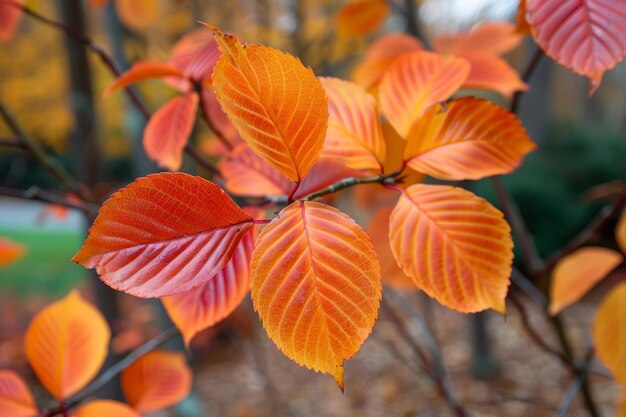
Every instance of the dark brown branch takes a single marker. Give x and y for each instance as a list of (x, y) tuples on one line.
[(37, 194), (13, 143), (204, 110), (108, 61), (113, 371), (39, 153), (576, 385), (526, 76)]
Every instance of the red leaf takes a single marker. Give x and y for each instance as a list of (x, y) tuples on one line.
[(214, 300), (157, 380), (10, 17), (141, 71), (380, 55), (16, 400), (168, 130), (195, 54), (587, 36), (164, 234)]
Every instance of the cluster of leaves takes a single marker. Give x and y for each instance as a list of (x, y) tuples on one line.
[(66, 345)]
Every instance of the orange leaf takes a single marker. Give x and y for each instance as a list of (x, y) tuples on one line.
[(354, 132), (316, 285), (141, 71), (66, 344), (10, 17), (490, 72), (380, 55), (168, 130), (622, 408), (609, 332), (137, 14), (212, 301), (414, 82), (157, 380), (467, 139), (620, 232), (586, 36), (105, 408), (523, 28), (219, 122), (360, 17), (277, 104), (164, 234), (378, 231), (16, 400), (10, 251), (195, 54), (493, 38), (455, 246), (577, 273)]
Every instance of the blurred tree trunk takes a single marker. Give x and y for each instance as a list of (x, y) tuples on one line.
[(85, 152)]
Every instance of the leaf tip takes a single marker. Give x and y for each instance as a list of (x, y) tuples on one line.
[(339, 378)]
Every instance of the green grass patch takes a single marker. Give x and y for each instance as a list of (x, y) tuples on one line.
[(47, 267)]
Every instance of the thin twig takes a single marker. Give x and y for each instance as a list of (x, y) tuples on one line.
[(39, 153), (204, 110), (12, 143), (116, 369), (37, 194), (575, 386)]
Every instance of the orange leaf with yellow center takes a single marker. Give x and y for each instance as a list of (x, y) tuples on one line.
[(490, 72), (137, 14), (354, 131), (10, 251), (142, 71), (157, 380), (620, 232), (10, 17), (207, 304), (414, 82), (360, 17), (378, 231), (493, 38), (466, 139), (278, 106), (586, 36), (105, 408), (609, 332), (380, 55), (66, 344), (168, 130), (316, 285), (577, 273), (164, 234), (455, 246), (16, 400)]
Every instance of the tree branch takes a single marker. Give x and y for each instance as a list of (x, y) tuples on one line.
[(37, 194), (113, 371)]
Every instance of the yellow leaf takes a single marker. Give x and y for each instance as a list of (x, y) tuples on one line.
[(609, 332)]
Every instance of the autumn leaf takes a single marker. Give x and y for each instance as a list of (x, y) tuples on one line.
[(214, 300), (219, 123), (66, 344), (354, 131), (168, 130), (105, 408), (523, 28), (137, 14), (141, 71), (278, 106), (157, 380), (494, 38), (586, 36), (468, 138), (163, 235), (577, 273), (491, 72), (414, 82), (360, 17), (609, 332), (195, 54), (10, 251), (379, 57), (10, 17), (455, 246), (378, 231), (316, 285), (16, 400)]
